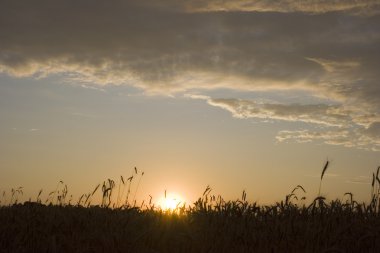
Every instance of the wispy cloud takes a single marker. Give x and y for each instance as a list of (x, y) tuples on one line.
[(329, 115), (83, 115), (363, 7), (325, 175), (337, 125), (349, 137), (359, 180), (93, 88)]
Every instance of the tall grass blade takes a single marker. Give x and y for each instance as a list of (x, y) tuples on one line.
[(324, 169), (323, 173)]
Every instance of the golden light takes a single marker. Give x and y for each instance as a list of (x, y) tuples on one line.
[(171, 202)]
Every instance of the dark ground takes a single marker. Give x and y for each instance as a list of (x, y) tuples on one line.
[(229, 227)]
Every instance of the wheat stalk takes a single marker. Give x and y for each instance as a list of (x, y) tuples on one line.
[(323, 173)]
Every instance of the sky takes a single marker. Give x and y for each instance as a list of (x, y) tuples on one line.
[(250, 95)]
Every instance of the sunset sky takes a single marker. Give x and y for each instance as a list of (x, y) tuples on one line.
[(240, 95)]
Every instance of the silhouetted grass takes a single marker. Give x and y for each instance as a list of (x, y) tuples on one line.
[(211, 224)]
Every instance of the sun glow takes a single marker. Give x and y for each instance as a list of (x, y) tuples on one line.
[(171, 201)]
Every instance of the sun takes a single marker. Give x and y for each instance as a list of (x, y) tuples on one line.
[(171, 202)]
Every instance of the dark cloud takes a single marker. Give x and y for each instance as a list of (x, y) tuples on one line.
[(330, 48), (121, 42)]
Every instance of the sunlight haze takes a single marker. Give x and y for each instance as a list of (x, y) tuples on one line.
[(237, 95)]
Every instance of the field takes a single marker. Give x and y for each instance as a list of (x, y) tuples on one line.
[(211, 224)]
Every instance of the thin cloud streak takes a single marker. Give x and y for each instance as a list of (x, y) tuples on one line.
[(363, 7), (328, 115), (349, 137), (359, 180)]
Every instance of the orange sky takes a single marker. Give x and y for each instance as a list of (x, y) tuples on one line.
[(253, 96)]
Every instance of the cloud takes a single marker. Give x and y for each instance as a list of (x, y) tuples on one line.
[(336, 67), (366, 7), (349, 137), (325, 175), (336, 125), (363, 7), (359, 180), (330, 115), (196, 96), (161, 49), (329, 48), (334, 137), (373, 130), (93, 88)]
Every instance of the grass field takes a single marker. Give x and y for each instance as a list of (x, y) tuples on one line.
[(211, 224)]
